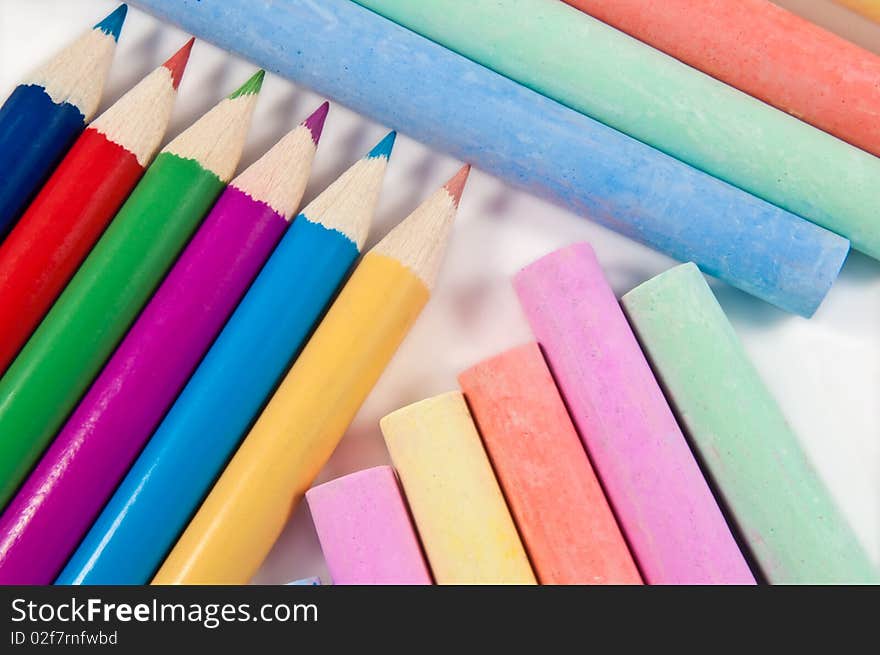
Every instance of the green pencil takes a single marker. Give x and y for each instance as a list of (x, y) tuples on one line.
[(79, 333)]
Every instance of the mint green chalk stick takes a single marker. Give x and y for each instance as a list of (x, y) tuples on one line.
[(781, 507), (592, 68)]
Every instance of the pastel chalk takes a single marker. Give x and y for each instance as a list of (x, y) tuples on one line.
[(674, 526), (767, 52), (652, 97), (466, 529), (365, 530), (454, 105), (795, 530), (565, 521)]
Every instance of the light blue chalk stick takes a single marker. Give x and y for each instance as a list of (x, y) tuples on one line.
[(398, 78)]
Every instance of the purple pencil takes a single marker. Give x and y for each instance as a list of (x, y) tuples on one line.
[(52, 511)]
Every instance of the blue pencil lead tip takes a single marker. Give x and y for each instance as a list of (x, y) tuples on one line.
[(112, 25), (383, 148)]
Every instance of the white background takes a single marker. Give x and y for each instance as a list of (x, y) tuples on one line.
[(825, 372)]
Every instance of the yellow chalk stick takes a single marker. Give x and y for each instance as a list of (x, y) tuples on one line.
[(459, 510)]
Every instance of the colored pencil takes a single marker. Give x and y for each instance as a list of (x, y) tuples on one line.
[(459, 107), (306, 582), (59, 500), (48, 110), (693, 117), (79, 333), (870, 9), (559, 507), (248, 507), (663, 504), (181, 461), (785, 513), (70, 212), (466, 529), (365, 530), (765, 51)]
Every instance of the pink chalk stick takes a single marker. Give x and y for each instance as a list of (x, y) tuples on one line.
[(365, 530), (672, 522)]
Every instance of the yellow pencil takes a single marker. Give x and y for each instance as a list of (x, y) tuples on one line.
[(868, 8), (249, 505), (458, 508)]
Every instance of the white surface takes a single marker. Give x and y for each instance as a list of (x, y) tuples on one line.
[(825, 372)]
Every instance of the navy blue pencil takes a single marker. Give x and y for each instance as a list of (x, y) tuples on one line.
[(47, 111)]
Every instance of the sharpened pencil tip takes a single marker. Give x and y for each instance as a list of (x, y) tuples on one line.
[(384, 147), (251, 87), (456, 184), (315, 122), (112, 25), (177, 62)]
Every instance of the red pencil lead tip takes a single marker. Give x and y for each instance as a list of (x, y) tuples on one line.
[(456, 184), (315, 122), (177, 62)]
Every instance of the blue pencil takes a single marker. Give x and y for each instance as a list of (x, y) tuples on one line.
[(45, 113), (175, 471)]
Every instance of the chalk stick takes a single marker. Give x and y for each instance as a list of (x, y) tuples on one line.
[(791, 523), (674, 526), (767, 52), (565, 521), (697, 119), (466, 529), (365, 530), (451, 104)]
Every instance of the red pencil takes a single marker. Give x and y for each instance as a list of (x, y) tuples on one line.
[(70, 212)]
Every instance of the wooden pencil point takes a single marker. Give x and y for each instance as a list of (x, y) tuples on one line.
[(216, 140), (315, 122), (384, 147), (177, 62), (138, 120), (456, 185), (251, 87), (278, 178), (112, 24), (419, 241), (348, 204)]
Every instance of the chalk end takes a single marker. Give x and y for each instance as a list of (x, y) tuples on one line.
[(315, 122), (112, 24), (384, 147), (176, 64)]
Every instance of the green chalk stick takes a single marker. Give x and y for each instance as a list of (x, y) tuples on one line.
[(593, 68), (781, 507)]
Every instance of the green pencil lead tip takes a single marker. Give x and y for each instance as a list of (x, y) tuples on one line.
[(251, 87)]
